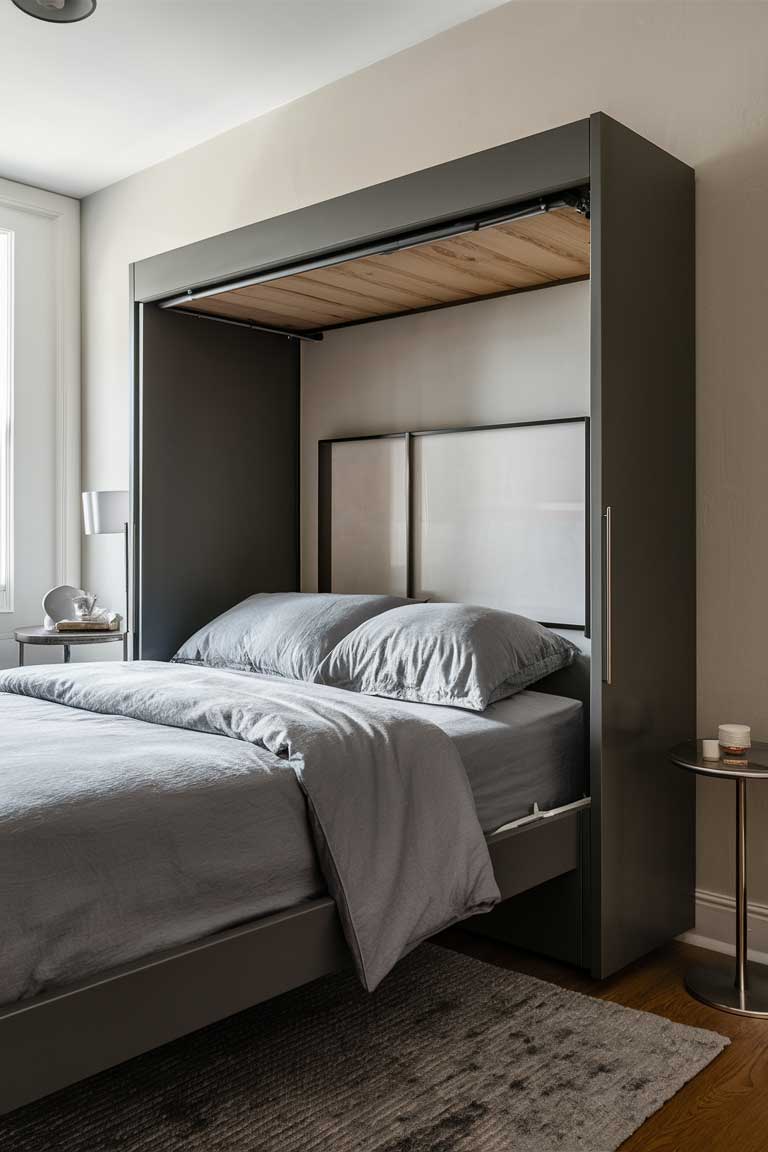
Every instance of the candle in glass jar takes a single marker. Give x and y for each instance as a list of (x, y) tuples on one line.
[(734, 739)]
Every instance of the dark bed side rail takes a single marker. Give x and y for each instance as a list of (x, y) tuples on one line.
[(54, 1040)]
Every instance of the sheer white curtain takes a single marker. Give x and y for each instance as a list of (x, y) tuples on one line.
[(40, 524), (6, 419)]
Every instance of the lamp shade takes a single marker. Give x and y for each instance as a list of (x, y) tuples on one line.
[(104, 512), (57, 11)]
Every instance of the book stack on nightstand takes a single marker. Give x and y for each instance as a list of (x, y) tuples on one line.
[(100, 622)]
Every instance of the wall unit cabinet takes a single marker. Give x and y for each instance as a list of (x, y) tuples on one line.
[(216, 420)]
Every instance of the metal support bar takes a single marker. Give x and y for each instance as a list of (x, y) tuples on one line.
[(409, 515), (744, 992), (741, 885), (312, 336)]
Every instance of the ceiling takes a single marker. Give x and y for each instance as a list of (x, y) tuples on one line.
[(85, 104)]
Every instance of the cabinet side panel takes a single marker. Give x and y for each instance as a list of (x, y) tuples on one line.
[(217, 473), (644, 398)]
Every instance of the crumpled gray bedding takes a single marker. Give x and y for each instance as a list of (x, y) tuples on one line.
[(145, 805)]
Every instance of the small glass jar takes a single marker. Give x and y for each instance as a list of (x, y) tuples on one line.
[(735, 739), (84, 604)]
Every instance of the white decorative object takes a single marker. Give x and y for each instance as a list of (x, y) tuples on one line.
[(710, 749), (58, 604), (735, 738), (57, 11)]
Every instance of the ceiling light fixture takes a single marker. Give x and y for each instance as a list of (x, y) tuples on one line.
[(57, 11)]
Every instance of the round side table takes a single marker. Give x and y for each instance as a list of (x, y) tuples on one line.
[(746, 993), (66, 640)]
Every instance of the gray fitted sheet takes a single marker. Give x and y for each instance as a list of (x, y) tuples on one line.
[(525, 749)]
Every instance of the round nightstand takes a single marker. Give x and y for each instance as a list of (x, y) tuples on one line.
[(66, 640), (747, 992)]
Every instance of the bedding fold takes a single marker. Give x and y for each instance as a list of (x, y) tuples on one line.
[(390, 807)]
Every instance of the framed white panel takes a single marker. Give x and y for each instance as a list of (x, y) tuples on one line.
[(369, 515), (499, 519)]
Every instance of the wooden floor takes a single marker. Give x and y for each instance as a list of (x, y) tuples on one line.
[(725, 1107)]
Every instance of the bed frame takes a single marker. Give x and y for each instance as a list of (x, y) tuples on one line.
[(54, 1040), (602, 884)]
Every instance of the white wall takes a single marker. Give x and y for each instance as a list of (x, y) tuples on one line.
[(522, 357), (690, 76)]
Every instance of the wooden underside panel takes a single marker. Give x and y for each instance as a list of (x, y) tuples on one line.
[(490, 261)]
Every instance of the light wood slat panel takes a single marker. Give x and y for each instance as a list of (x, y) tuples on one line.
[(450, 266), (215, 307), (282, 312), (563, 230), (542, 264), (241, 306), (386, 270), (556, 243), (490, 261), (288, 297), (343, 284)]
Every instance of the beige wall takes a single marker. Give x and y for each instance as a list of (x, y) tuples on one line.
[(691, 77)]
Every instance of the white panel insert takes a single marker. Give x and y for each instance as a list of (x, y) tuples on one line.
[(499, 519), (369, 504)]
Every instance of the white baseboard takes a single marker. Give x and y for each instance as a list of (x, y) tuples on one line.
[(716, 926)]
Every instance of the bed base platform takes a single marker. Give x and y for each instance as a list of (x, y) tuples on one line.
[(56, 1039), (551, 916)]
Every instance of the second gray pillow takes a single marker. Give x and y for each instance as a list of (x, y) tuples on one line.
[(460, 655)]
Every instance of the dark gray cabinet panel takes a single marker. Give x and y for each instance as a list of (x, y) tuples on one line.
[(644, 598), (215, 480), (217, 468), (537, 165)]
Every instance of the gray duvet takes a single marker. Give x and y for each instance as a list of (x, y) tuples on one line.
[(146, 805)]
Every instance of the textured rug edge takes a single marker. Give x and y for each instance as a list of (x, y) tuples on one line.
[(197, 1093)]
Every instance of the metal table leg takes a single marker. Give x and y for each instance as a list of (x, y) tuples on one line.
[(21, 653), (67, 654), (747, 993)]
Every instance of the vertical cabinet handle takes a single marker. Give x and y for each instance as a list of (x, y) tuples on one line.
[(608, 677)]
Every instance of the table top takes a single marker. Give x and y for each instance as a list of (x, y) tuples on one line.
[(753, 766), (36, 634)]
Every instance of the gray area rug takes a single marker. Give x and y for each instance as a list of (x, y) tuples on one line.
[(449, 1055)]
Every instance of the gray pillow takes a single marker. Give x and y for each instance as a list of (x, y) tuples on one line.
[(455, 654), (281, 633)]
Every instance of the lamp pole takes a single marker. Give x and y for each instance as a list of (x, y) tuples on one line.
[(127, 584)]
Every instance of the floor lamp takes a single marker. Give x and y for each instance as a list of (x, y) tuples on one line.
[(107, 512)]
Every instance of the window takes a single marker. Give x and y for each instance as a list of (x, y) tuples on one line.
[(6, 420)]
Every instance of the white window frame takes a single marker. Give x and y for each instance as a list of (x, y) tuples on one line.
[(6, 419)]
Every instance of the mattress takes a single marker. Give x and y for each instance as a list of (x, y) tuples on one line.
[(144, 805), (529, 748), (160, 833)]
